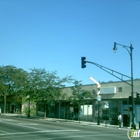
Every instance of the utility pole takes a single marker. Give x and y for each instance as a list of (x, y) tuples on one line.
[(98, 97)]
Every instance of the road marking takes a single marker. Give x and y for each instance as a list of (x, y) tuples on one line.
[(3, 120), (24, 126), (27, 124), (78, 136), (3, 131), (7, 120), (45, 131)]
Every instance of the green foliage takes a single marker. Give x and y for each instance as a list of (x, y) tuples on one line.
[(12, 80), (38, 85), (44, 86), (78, 94)]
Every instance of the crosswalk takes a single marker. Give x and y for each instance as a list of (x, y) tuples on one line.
[(47, 134), (57, 135), (9, 120), (35, 132), (11, 129), (24, 130)]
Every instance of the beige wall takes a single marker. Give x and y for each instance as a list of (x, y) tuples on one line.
[(126, 89)]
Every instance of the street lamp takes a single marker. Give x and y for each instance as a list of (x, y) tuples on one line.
[(28, 97), (129, 49), (8, 83)]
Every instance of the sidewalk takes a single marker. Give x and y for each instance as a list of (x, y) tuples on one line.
[(64, 120), (82, 122)]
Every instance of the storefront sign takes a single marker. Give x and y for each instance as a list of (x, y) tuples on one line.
[(108, 90)]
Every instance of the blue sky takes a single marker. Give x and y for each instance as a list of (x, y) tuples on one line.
[(54, 34)]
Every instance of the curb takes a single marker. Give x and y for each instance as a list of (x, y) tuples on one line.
[(82, 123)]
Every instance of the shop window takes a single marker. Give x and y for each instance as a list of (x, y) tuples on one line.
[(120, 89)]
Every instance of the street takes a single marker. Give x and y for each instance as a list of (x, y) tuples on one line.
[(17, 128)]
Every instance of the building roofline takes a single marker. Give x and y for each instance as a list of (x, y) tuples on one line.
[(137, 79)]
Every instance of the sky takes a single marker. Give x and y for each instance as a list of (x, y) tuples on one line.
[(55, 34)]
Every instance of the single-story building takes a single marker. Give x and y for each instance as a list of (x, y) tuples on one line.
[(115, 97)]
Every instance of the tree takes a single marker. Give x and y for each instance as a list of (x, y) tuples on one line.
[(44, 86), (79, 96), (12, 81)]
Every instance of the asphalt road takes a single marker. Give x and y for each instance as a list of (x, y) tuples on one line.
[(14, 128)]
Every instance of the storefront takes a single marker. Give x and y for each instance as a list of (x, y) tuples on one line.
[(11, 104), (114, 99)]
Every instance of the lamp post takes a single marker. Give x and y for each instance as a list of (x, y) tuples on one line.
[(28, 115), (8, 83), (129, 49)]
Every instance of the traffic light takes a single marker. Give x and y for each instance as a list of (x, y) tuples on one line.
[(130, 99), (83, 62), (98, 95), (137, 95)]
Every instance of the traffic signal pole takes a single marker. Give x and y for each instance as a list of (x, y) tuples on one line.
[(117, 74), (98, 98)]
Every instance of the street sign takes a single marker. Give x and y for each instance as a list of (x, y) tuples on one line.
[(98, 98)]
